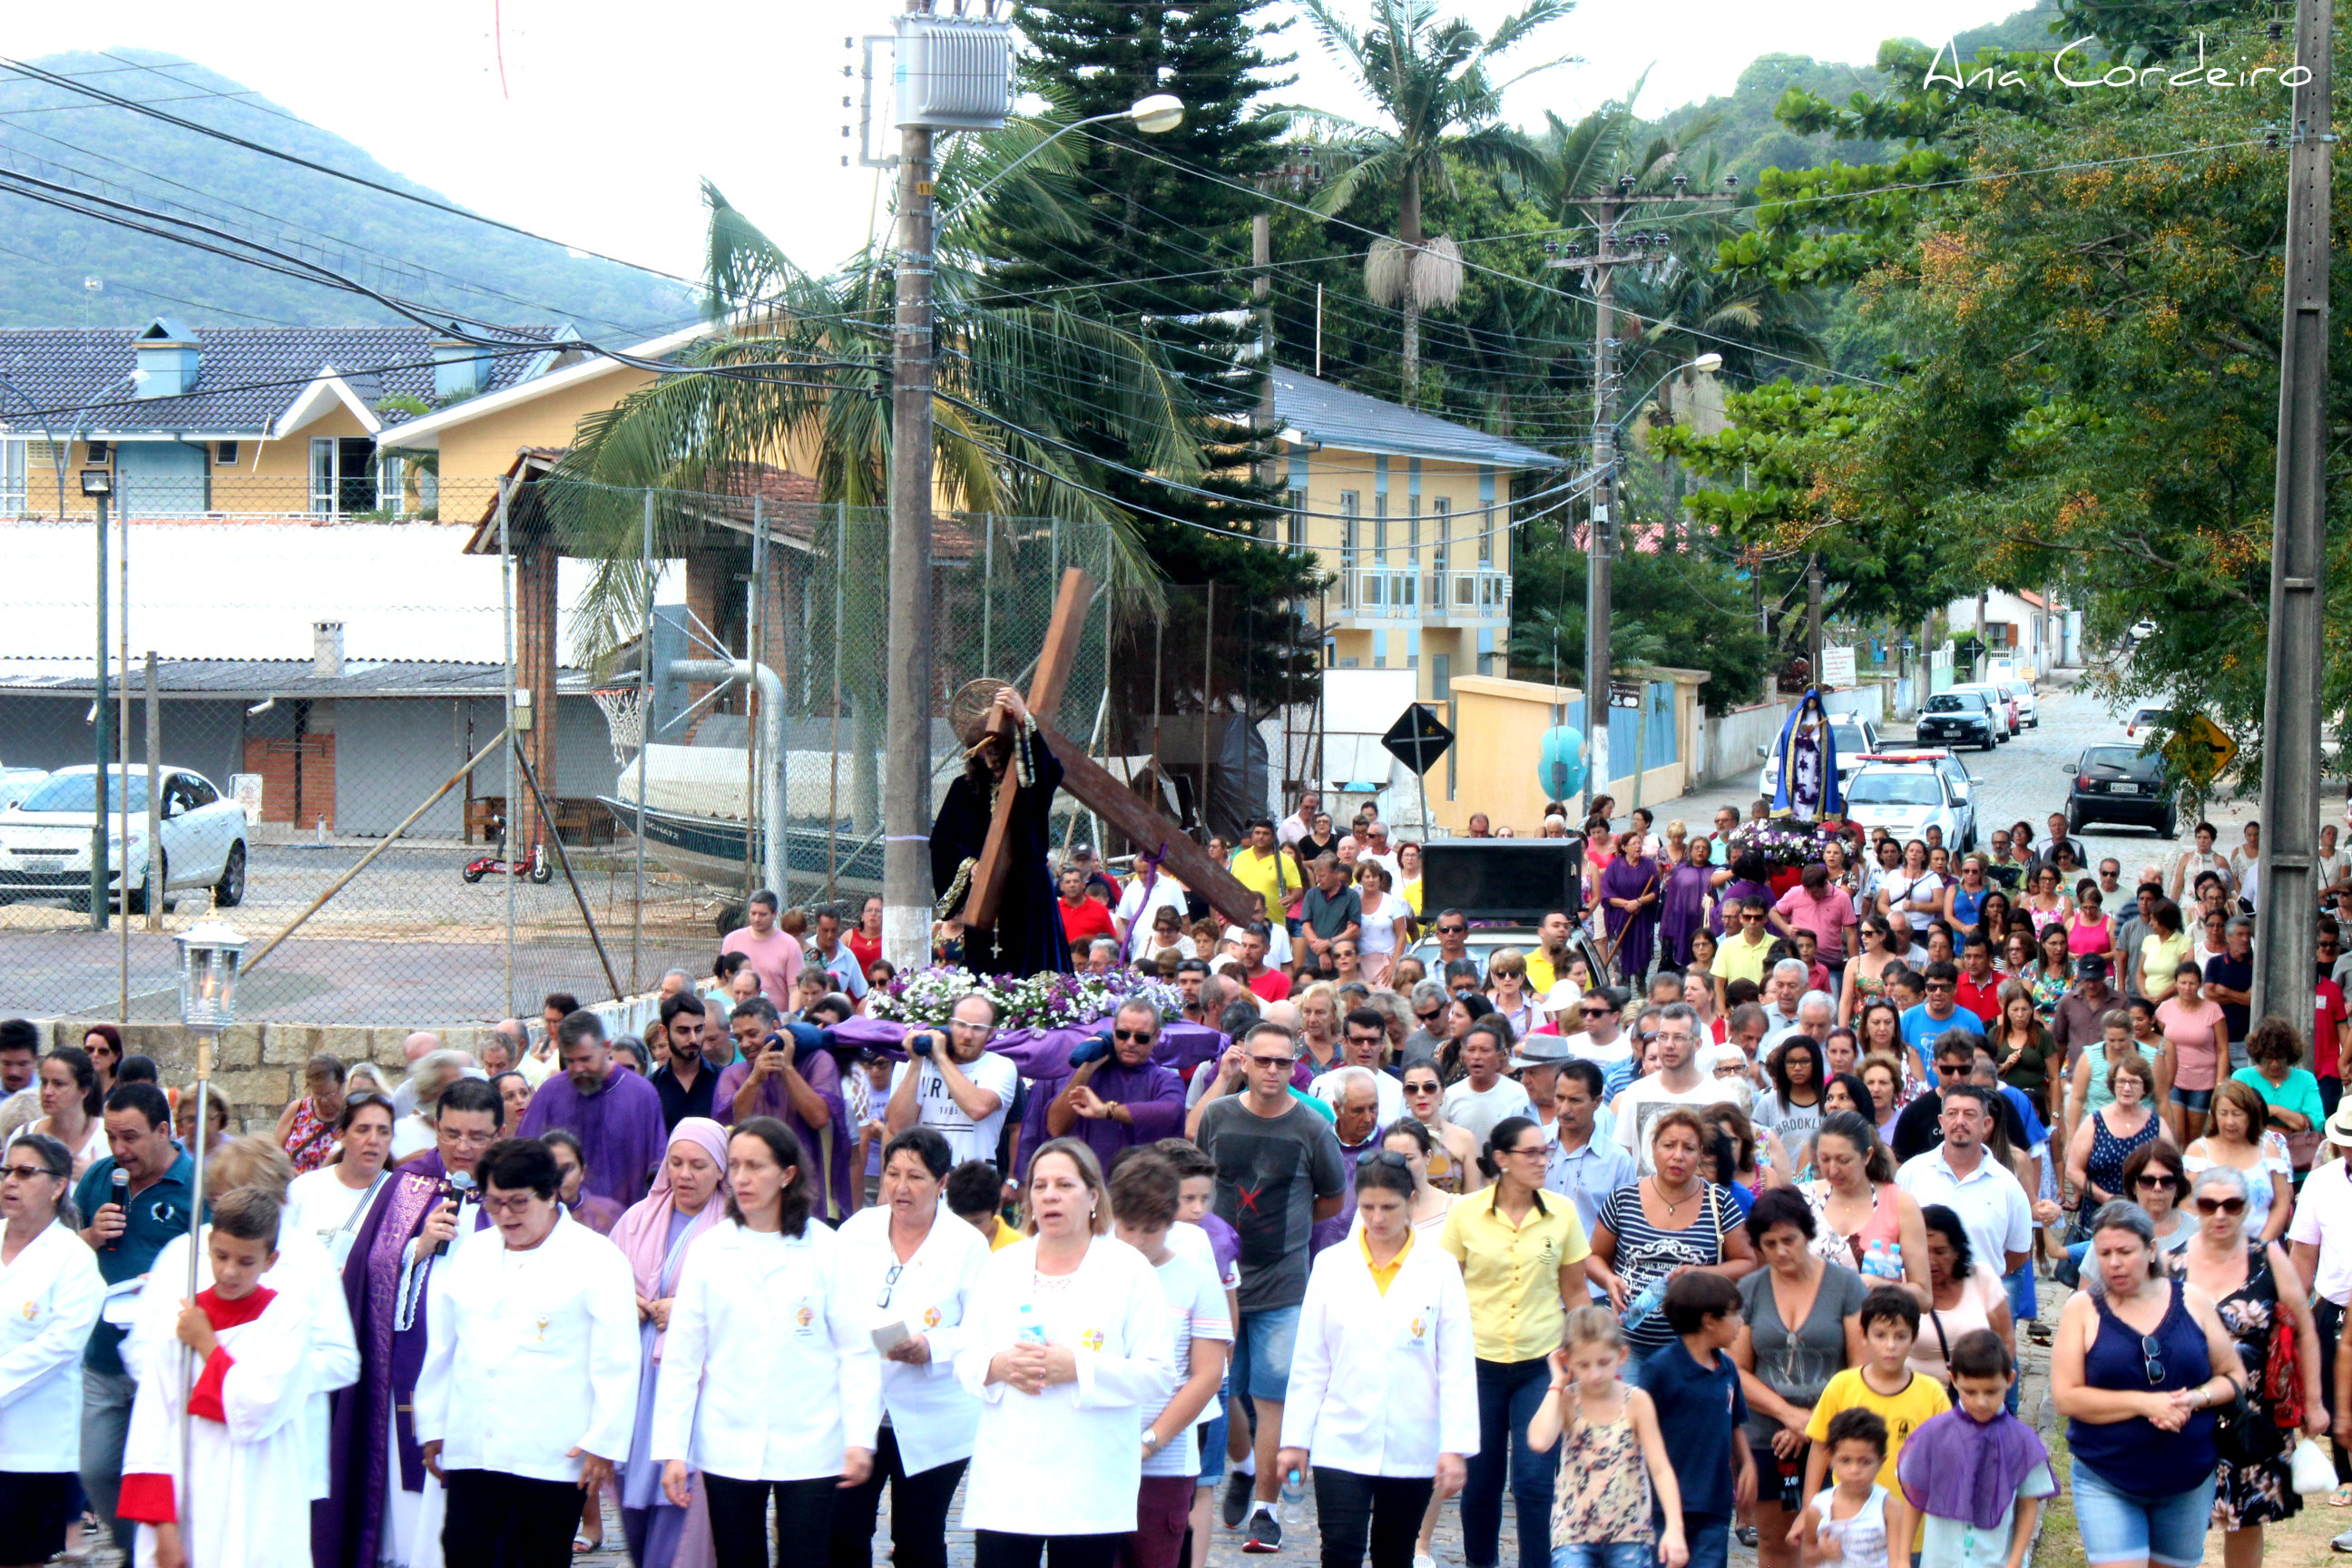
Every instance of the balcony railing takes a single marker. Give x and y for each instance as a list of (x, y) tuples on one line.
[(1383, 593)]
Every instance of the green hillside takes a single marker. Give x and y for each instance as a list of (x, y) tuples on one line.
[(396, 247), (1748, 140)]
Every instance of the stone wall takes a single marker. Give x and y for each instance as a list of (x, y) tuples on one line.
[(258, 1067)]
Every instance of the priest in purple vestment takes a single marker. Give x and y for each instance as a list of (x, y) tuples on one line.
[(614, 1113), (1114, 1098), (1682, 908), (789, 1074), (1630, 898), (377, 1470)]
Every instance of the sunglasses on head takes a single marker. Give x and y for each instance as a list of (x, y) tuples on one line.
[(1383, 1157)]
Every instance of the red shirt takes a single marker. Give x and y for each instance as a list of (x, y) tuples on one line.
[(1982, 997), (865, 949), (1274, 985), (1085, 920)]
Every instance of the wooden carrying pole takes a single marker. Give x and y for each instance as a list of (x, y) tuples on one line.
[(1045, 699), (340, 883), (565, 861)]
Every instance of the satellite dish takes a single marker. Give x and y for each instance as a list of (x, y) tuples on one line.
[(1559, 767)]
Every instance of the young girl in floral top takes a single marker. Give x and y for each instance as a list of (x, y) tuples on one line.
[(1613, 1457)]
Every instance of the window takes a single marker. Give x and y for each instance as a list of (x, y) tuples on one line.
[(1381, 530), (1298, 518), (98, 452), (342, 475), (1444, 508), (12, 457), (224, 454), (1412, 533), (1347, 530), (1489, 520)]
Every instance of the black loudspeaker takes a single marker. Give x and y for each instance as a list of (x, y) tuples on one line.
[(1519, 880)]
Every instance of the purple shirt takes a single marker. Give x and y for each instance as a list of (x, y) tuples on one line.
[(620, 1128), (828, 1143), (1152, 1094)]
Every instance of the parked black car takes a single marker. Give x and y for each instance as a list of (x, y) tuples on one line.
[(2123, 784), (1961, 718)]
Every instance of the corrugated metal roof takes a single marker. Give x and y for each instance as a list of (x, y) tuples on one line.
[(1336, 416), (245, 376), (250, 679)]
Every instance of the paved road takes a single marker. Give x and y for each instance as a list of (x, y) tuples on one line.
[(2020, 781)]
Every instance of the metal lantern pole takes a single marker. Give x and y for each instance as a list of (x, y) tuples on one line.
[(210, 956)]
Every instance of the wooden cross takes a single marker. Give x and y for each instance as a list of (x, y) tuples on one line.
[(1093, 785)]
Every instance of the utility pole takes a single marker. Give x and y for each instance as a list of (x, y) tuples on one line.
[(1813, 614), (1601, 268), (906, 780), (103, 737), (2284, 950)]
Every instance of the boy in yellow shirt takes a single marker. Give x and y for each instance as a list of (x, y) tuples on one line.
[(1882, 1385)]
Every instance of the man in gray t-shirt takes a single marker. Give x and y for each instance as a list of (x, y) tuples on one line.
[(1279, 1170)]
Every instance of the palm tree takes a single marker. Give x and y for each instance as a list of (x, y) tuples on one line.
[(1436, 90), (798, 378)]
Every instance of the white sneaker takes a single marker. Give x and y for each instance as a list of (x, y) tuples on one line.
[(2342, 1542), (1424, 1559)]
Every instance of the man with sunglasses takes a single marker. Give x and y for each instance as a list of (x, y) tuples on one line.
[(1366, 1040), (1453, 930), (1921, 1126), (1746, 944), (1939, 1013), (1601, 1011), (1279, 1170), (1114, 1096)]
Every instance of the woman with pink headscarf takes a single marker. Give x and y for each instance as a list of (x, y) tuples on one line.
[(655, 1235)]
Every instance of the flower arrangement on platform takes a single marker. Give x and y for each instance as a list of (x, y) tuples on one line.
[(1782, 841), (1051, 1000)]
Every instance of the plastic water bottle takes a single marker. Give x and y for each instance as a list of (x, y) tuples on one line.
[(1031, 1330), (1640, 1308), (1883, 1259), (1294, 1498)]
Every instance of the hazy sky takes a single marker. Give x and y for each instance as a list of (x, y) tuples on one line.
[(585, 121)]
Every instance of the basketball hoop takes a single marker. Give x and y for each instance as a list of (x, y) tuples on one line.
[(625, 716)]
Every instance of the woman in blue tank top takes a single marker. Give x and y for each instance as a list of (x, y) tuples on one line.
[(2140, 1364)]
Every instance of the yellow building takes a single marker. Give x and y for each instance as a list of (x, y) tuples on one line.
[(1413, 514), (245, 422)]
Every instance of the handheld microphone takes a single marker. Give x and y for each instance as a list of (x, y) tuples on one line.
[(461, 1188)]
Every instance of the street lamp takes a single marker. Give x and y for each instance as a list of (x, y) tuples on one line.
[(1154, 116), (211, 954), (99, 485)]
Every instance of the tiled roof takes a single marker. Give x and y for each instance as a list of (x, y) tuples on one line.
[(247, 680), (245, 376), (1336, 416)]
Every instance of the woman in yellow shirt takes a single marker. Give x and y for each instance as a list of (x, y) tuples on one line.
[(2161, 951), (1522, 1252)]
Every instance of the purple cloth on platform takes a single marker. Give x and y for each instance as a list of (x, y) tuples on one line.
[(829, 1143), (1152, 1094), (1631, 879), (347, 1528), (1683, 909), (1183, 1046), (1954, 1467), (1729, 896), (622, 1134)]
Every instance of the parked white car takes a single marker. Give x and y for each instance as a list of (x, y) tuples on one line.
[(15, 784), (2029, 707), (44, 839), (1852, 735)]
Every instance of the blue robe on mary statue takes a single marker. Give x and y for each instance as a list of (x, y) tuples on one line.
[(1807, 789)]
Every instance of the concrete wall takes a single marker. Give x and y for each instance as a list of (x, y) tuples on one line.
[(1499, 727), (1732, 740), (258, 1067)]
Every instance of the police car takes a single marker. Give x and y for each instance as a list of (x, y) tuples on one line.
[(1907, 793)]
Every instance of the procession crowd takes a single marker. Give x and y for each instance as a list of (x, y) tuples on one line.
[(1716, 1205)]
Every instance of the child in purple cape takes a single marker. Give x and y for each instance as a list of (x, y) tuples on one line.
[(1976, 1474)]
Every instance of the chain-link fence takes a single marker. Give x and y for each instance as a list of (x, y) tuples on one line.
[(390, 726)]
